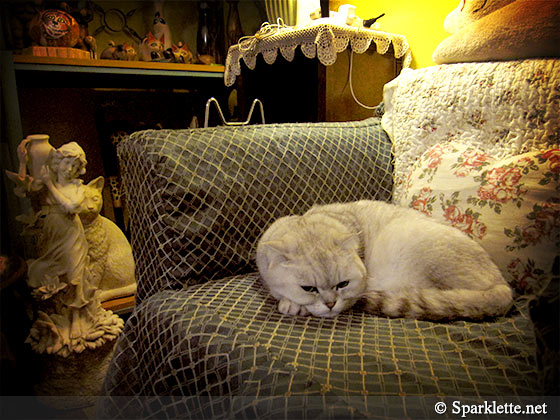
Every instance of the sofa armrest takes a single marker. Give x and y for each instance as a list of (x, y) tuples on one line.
[(199, 199)]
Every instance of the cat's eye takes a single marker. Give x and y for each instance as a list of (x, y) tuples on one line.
[(311, 289), (342, 284)]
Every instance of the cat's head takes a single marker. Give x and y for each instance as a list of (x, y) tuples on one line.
[(56, 23), (313, 261), (93, 200), (182, 53), (129, 51), (153, 43)]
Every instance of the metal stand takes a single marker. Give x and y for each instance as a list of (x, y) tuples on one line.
[(224, 122)]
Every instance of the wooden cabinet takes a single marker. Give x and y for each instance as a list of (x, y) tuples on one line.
[(92, 102), (305, 90)]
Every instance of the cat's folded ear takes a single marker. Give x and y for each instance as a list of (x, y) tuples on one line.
[(97, 183), (275, 246), (274, 252)]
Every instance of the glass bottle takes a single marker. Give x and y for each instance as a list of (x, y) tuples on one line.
[(203, 38), (234, 29)]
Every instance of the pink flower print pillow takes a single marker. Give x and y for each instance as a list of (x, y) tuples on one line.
[(510, 206)]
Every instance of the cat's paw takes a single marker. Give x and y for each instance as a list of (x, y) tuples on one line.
[(287, 307), (303, 311)]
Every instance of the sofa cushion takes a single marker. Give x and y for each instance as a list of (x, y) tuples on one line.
[(510, 206), (223, 349), (199, 199), (517, 29), (502, 108)]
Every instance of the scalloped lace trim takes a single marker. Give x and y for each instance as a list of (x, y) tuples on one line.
[(323, 41)]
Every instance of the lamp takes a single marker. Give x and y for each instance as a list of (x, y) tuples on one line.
[(292, 12)]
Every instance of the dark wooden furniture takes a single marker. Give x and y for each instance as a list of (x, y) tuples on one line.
[(306, 90)]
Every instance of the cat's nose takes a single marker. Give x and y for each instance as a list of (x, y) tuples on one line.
[(330, 305)]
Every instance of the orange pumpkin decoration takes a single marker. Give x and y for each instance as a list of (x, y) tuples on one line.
[(54, 28)]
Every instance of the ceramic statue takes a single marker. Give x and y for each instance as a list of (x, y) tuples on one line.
[(161, 28), (151, 48), (54, 28), (115, 51), (69, 318), (110, 255), (182, 53)]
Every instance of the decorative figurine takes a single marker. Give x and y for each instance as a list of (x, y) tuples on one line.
[(161, 29), (70, 318), (122, 51), (182, 53), (54, 28), (110, 256), (151, 48), (83, 16), (32, 155)]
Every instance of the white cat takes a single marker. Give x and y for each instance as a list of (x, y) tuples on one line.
[(110, 256), (397, 261)]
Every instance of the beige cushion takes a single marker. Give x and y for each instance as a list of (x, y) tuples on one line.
[(510, 206), (520, 29)]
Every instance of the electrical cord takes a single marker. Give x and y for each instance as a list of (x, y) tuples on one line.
[(352, 88)]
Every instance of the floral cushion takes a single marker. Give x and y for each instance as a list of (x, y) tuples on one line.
[(504, 108), (510, 206)]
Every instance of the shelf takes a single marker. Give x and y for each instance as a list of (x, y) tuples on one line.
[(119, 305), (147, 68)]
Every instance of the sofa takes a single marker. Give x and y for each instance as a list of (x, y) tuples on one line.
[(474, 145)]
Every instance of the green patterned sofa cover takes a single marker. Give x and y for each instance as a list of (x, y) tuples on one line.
[(199, 199), (206, 339)]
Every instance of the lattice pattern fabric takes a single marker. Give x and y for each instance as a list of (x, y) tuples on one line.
[(223, 350), (199, 199), (218, 348), (323, 41)]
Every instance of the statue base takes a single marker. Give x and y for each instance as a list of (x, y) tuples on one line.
[(73, 382)]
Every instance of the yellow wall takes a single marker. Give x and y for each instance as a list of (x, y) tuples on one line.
[(420, 21)]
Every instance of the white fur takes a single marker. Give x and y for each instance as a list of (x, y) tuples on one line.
[(400, 261)]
